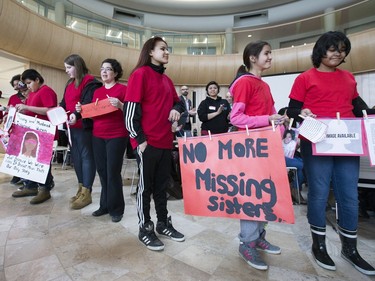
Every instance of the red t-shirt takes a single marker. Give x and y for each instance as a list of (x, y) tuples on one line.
[(156, 94), (110, 125), (73, 95), (326, 93), (44, 97), (13, 100), (252, 102)]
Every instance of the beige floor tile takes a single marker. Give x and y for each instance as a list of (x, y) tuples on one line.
[(52, 242)]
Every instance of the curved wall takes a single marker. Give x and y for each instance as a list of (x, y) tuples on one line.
[(46, 43)]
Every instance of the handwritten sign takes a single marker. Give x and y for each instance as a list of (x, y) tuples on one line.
[(236, 175), (343, 137), (29, 150), (313, 130), (97, 108)]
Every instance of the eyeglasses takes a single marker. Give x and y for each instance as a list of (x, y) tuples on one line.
[(107, 69)]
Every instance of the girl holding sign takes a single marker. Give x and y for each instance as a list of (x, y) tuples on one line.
[(253, 107), (39, 101), (110, 139), (323, 91)]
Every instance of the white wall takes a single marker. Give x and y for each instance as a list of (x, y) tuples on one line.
[(366, 87), (280, 88)]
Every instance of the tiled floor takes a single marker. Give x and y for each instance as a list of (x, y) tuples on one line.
[(52, 242)]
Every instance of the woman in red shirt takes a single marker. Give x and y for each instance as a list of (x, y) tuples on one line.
[(79, 90), (110, 140), (151, 106)]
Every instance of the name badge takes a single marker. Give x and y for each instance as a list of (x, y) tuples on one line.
[(212, 107)]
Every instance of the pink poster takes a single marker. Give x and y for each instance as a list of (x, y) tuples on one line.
[(29, 149)]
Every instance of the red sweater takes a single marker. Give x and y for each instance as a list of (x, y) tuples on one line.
[(110, 125)]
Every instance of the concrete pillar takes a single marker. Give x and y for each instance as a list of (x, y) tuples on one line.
[(60, 13), (329, 20), (228, 41)]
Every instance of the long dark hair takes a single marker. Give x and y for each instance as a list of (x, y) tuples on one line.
[(251, 49), (144, 56), (80, 66)]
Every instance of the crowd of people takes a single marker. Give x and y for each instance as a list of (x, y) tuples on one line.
[(145, 110)]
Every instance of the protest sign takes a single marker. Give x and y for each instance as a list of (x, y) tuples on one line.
[(29, 150), (369, 124), (312, 129), (343, 138), (237, 175), (97, 108)]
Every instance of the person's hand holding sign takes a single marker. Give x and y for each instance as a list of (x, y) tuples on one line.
[(116, 102), (307, 113), (277, 119)]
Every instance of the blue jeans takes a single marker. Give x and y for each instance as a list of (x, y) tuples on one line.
[(340, 171), (83, 156), (298, 163), (250, 230)]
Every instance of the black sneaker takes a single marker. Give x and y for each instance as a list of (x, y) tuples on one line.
[(15, 180), (168, 230), (148, 237)]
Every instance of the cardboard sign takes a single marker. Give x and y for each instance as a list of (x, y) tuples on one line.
[(29, 150), (236, 175), (98, 108), (343, 138)]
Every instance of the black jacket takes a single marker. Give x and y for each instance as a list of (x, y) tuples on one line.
[(86, 97)]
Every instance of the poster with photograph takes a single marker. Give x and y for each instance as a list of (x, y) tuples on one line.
[(29, 150), (343, 138), (290, 142)]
